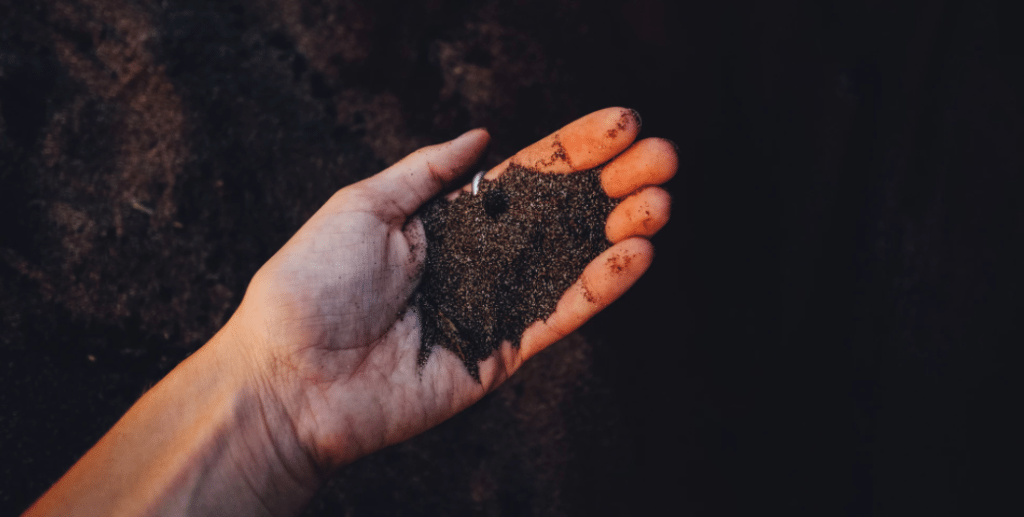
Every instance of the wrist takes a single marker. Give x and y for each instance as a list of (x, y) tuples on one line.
[(265, 411), (204, 440)]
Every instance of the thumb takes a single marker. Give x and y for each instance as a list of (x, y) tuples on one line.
[(406, 185)]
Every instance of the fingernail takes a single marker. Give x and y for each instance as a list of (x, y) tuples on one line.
[(674, 145), (636, 116)]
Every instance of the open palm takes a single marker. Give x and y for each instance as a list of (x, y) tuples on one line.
[(330, 314)]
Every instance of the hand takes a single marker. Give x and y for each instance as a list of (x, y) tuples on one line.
[(328, 323)]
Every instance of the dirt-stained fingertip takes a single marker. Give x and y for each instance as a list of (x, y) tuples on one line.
[(636, 117), (642, 214)]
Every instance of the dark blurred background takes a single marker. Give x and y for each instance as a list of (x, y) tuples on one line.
[(830, 326)]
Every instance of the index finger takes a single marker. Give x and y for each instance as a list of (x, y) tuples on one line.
[(583, 144)]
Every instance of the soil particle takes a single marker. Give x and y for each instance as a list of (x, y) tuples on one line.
[(619, 264), (558, 154), (500, 260), (623, 123)]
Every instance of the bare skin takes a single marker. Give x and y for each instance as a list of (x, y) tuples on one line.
[(318, 365)]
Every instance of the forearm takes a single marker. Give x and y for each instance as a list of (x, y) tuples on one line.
[(200, 442)]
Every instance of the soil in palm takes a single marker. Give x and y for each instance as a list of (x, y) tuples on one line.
[(500, 260)]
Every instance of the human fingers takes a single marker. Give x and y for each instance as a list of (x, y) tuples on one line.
[(583, 144), (612, 273), (402, 188), (639, 215), (651, 161)]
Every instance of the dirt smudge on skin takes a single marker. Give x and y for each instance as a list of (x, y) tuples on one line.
[(635, 116), (588, 294), (558, 154), (623, 123), (619, 263)]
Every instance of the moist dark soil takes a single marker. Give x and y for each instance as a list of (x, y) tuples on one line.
[(500, 260)]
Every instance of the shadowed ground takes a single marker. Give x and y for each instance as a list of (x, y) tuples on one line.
[(827, 327)]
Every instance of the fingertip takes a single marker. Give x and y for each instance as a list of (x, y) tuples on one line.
[(466, 150), (618, 268), (639, 121), (651, 161), (668, 154), (402, 188), (479, 133), (602, 282), (642, 214), (621, 125)]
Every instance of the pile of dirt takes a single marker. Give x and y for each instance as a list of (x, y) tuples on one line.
[(500, 260)]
